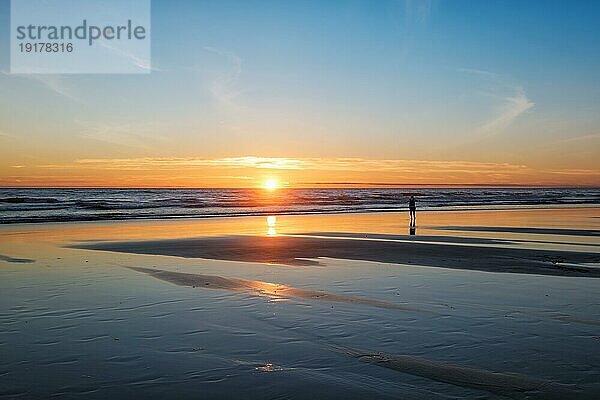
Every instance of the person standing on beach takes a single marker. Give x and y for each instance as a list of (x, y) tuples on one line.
[(412, 208)]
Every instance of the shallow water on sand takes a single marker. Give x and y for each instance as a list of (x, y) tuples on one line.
[(78, 324)]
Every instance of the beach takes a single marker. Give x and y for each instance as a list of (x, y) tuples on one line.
[(299, 200), (484, 304), (480, 303)]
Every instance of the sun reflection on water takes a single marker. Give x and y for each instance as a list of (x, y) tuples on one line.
[(271, 222)]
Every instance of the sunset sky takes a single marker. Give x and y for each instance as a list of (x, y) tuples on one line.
[(318, 93)]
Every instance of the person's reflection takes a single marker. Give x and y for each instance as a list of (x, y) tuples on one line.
[(413, 230), (271, 222)]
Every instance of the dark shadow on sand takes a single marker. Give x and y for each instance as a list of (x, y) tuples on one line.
[(16, 260), (500, 383), (414, 237), (305, 251), (442, 239), (537, 231)]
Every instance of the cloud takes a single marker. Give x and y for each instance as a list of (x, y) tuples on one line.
[(138, 135), (138, 62), (511, 108), (511, 100), (150, 163), (259, 162), (418, 10), (191, 172), (222, 87), (54, 83), (281, 163), (580, 138), (480, 72), (57, 85)]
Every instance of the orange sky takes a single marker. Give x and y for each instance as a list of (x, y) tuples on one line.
[(287, 172), (390, 93)]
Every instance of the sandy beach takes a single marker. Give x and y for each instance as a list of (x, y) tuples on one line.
[(299, 200), (478, 304)]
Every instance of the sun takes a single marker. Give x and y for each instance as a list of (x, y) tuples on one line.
[(271, 184)]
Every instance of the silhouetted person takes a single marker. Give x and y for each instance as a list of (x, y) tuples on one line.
[(412, 208)]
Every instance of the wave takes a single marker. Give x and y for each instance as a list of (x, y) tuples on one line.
[(62, 205), (26, 200)]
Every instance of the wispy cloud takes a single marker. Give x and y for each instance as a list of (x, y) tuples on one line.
[(54, 83), (279, 163), (222, 87), (581, 138), (258, 162), (57, 85), (135, 60), (480, 72), (512, 100), (511, 108), (137, 135), (190, 172), (418, 10), (150, 163)]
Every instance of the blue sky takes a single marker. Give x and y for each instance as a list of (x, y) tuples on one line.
[(507, 82)]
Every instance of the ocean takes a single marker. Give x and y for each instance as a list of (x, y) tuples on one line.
[(63, 205)]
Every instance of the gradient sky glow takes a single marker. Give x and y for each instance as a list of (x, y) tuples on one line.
[(322, 92)]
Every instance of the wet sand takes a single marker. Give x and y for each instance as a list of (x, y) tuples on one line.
[(542, 231), (332, 307), (512, 385), (306, 250), (260, 288), (489, 381)]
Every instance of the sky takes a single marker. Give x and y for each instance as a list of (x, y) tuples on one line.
[(322, 93)]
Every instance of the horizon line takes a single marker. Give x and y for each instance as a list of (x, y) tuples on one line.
[(334, 185)]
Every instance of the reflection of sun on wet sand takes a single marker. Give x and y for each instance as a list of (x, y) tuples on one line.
[(272, 290)]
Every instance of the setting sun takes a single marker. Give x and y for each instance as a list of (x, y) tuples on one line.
[(271, 184)]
